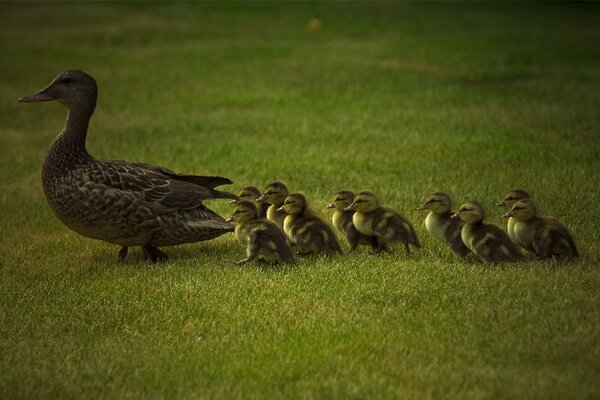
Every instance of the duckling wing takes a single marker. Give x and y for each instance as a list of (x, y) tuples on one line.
[(552, 238), (395, 227), (267, 238), (163, 193), (493, 245)]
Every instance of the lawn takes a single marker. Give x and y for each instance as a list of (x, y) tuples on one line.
[(400, 98)]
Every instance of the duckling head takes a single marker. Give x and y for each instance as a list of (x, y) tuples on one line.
[(470, 212), (522, 210), (364, 202), (512, 197), (275, 193), (244, 211), (72, 88), (437, 202), (342, 200), (294, 204), (250, 193)]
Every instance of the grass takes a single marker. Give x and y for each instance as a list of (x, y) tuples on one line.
[(401, 98)]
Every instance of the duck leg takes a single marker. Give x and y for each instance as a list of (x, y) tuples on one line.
[(153, 254), (123, 253)]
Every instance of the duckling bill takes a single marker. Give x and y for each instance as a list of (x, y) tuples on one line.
[(252, 193), (274, 195), (121, 202), (543, 237), (342, 220), (509, 200)]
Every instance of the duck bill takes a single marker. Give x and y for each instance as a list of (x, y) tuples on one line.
[(455, 216), (235, 201), (350, 208), (230, 219), (42, 95), (281, 209), (261, 199), (422, 207), (507, 215), (501, 203), (331, 205)]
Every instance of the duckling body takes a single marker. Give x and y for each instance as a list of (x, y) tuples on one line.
[(342, 220), (120, 202), (386, 224), (543, 237), (487, 241), (264, 240), (308, 232), (509, 200), (252, 193), (274, 195), (441, 225)]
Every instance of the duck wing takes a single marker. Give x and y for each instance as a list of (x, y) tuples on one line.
[(163, 190)]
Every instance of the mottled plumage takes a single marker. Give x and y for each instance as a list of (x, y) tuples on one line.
[(307, 231), (120, 202), (264, 240), (440, 224), (487, 241), (509, 200), (342, 220), (274, 194), (386, 224), (252, 193), (543, 237)]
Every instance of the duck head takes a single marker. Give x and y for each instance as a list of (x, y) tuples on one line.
[(342, 200), (522, 210), (72, 88), (364, 202), (274, 194), (470, 212), (512, 197), (437, 202), (244, 211), (294, 204), (250, 193)]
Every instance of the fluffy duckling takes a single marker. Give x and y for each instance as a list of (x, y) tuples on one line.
[(306, 230), (252, 193), (264, 239), (342, 220), (543, 236), (441, 225), (386, 224), (509, 200), (274, 195), (487, 241)]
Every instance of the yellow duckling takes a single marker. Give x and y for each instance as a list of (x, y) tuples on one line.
[(274, 195), (342, 220), (509, 200), (306, 230), (265, 240), (487, 241), (441, 225), (543, 236), (252, 193), (386, 224)]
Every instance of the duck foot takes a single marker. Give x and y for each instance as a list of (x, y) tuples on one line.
[(153, 254), (123, 253)]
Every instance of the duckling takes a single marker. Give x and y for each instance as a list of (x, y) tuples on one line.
[(543, 236), (306, 230), (342, 220), (264, 239), (121, 202), (511, 198), (487, 241), (440, 224), (252, 193), (386, 224), (274, 195)]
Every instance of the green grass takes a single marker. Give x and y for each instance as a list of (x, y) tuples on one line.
[(401, 98)]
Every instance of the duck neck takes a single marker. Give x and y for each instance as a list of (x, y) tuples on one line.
[(73, 136)]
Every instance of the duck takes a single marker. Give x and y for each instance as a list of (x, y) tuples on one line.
[(440, 224), (342, 220), (307, 231), (372, 219), (509, 200), (264, 240), (121, 202), (274, 195), (487, 241), (252, 193), (543, 237)]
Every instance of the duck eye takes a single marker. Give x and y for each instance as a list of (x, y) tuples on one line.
[(66, 79)]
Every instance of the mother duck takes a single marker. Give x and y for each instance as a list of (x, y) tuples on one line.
[(121, 202)]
